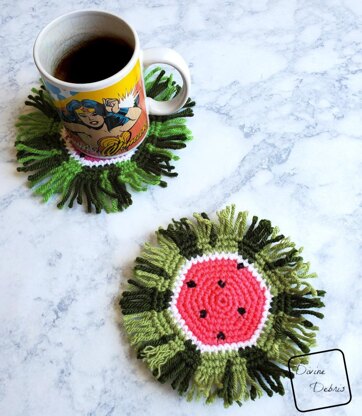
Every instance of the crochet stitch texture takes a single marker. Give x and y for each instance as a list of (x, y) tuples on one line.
[(218, 307), (57, 168)]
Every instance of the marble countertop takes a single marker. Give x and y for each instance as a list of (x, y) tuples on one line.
[(277, 131)]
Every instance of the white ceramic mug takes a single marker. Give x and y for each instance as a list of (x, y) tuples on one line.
[(109, 117)]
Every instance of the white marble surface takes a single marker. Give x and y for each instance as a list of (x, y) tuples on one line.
[(277, 131)]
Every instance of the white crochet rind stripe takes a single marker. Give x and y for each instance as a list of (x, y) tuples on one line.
[(181, 322), (99, 162)]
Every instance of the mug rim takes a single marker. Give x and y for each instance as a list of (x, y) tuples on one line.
[(90, 86)]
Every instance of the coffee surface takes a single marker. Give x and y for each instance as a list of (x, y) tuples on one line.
[(94, 60)]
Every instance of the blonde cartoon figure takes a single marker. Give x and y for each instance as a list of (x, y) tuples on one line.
[(105, 126)]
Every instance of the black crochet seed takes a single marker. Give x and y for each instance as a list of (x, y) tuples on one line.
[(203, 313), (241, 311), (81, 154), (240, 266), (191, 283), (220, 335), (221, 283)]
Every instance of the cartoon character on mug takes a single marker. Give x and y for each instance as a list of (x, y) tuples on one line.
[(105, 126)]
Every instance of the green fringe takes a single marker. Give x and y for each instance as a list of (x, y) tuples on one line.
[(41, 150), (235, 376)]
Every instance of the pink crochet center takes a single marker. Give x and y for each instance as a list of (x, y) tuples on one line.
[(220, 303)]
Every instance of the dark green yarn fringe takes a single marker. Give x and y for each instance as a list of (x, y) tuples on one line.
[(180, 368), (249, 371), (41, 150), (144, 299)]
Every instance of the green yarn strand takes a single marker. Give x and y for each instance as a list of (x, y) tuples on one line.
[(59, 181), (36, 124), (136, 177), (182, 234), (144, 299), (156, 356)]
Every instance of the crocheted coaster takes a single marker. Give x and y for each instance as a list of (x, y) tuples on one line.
[(217, 307), (43, 148)]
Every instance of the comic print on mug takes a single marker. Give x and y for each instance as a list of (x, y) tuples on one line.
[(107, 122)]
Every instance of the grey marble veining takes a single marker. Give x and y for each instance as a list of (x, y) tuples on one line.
[(277, 129)]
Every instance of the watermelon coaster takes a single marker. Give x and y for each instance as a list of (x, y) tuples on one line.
[(218, 307), (44, 149)]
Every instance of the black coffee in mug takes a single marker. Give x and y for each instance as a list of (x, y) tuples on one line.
[(93, 60)]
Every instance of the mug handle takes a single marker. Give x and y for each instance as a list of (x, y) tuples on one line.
[(167, 56)]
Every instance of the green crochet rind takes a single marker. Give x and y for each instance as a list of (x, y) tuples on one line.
[(41, 150), (235, 375)]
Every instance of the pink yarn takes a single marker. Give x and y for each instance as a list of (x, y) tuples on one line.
[(220, 303)]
